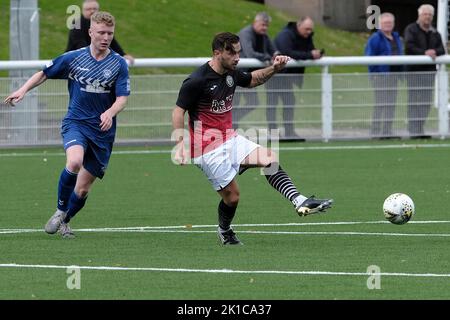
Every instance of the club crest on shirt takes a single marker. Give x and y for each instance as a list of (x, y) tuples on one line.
[(230, 81), (107, 73)]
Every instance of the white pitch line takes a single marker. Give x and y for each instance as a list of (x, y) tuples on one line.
[(351, 233), (185, 270), (294, 224), (312, 148), (246, 225), (345, 233)]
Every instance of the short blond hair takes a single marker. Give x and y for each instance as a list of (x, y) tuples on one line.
[(103, 17)]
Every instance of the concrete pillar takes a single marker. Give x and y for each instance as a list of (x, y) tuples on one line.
[(24, 45)]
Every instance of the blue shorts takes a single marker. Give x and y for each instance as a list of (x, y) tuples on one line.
[(96, 152)]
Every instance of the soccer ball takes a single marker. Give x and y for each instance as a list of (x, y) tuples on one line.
[(398, 208)]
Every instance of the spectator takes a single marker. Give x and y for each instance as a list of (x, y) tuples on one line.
[(79, 38), (255, 43), (384, 42), (296, 41), (421, 39)]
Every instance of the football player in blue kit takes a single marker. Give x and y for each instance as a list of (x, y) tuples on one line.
[(98, 85)]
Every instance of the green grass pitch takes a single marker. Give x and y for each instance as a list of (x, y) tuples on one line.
[(323, 256)]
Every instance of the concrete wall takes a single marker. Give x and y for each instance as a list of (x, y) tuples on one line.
[(299, 8), (343, 14), (349, 14)]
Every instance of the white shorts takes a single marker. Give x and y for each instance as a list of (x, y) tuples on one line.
[(222, 164)]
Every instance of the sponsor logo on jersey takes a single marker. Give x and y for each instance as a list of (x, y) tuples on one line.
[(222, 106)]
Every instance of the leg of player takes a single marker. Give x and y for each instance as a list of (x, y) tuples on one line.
[(278, 179), (227, 210), (66, 185), (77, 200)]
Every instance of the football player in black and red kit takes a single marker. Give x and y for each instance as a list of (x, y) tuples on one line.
[(217, 149)]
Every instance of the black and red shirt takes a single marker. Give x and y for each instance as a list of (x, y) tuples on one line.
[(208, 98)]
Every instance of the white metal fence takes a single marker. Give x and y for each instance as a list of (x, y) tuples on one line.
[(316, 106)]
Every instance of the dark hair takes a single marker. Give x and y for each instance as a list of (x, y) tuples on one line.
[(224, 41)]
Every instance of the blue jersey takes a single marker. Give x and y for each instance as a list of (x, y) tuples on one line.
[(93, 87)]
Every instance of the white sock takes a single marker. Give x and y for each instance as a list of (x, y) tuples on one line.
[(299, 200)]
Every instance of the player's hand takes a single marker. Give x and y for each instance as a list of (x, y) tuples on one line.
[(180, 156), (279, 62), (14, 98), (106, 121)]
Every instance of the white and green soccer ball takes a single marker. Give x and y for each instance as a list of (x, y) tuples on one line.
[(398, 208)]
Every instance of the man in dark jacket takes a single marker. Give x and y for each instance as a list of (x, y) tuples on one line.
[(79, 37), (296, 41), (421, 39), (255, 43)]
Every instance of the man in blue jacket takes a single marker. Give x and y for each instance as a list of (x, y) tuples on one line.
[(384, 42), (296, 41)]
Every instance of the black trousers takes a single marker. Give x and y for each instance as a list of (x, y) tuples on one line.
[(385, 94), (420, 98), (282, 88)]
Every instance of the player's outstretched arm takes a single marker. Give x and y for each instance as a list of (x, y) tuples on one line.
[(35, 80), (262, 75), (178, 129)]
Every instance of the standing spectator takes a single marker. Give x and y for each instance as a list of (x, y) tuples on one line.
[(384, 42), (421, 39), (79, 38), (296, 41), (255, 43)]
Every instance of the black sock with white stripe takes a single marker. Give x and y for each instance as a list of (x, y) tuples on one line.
[(281, 182), (226, 215)]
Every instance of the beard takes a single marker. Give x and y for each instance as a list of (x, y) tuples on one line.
[(228, 65)]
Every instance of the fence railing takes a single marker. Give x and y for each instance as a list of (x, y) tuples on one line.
[(327, 106)]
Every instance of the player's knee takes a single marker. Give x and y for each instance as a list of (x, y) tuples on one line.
[(82, 192), (272, 157), (232, 199), (269, 158), (74, 165)]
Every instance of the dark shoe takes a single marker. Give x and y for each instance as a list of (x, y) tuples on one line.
[(389, 137), (292, 137), (423, 136), (228, 237), (312, 205)]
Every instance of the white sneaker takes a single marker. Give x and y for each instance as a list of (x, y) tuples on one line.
[(55, 221), (66, 231)]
